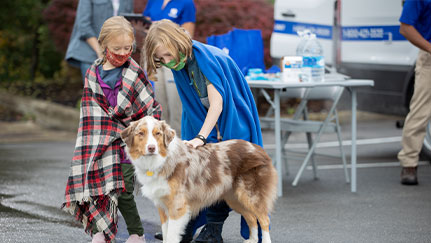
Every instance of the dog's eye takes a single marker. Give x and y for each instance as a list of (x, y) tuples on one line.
[(142, 133), (158, 133)]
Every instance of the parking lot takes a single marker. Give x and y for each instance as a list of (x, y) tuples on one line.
[(34, 174)]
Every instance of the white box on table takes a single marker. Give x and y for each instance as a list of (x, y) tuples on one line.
[(291, 68)]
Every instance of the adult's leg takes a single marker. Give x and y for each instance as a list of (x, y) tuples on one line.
[(84, 67), (415, 124), (160, 93), (173, 101)]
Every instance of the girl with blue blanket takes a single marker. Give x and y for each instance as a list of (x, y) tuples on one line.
[(217, 104)]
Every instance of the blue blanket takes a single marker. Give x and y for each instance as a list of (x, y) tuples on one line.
[(239, 118)]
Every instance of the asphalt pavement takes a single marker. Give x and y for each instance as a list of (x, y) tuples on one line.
[(34, 165)]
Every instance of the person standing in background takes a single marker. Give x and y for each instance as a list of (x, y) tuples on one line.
[(416, 28), (183, 13), (83, 48)]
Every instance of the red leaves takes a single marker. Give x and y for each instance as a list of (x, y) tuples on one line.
[(60, 16), (212, 18)]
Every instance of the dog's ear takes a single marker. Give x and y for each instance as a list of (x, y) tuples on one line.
[(127, 134), (168, 133)]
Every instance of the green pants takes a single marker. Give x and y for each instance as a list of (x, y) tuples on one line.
[(126, 203)]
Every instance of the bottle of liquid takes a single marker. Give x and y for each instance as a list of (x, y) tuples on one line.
[(313, 62), (304, 36)]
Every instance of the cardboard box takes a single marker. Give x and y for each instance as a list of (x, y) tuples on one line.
[(291, 68)]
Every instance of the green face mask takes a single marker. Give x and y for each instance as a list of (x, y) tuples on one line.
[(173, 63)]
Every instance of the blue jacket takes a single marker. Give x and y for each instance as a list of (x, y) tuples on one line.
[(90, 16), (239, 118), (178, 11)]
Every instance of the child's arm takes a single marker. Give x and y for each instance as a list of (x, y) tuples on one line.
[(214, 111)]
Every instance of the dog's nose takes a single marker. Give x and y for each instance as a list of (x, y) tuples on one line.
[(151, 148)]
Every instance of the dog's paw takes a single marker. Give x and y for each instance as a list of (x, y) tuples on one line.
[(251, 241)]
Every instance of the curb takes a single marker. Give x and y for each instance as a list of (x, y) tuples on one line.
[(45, 114)]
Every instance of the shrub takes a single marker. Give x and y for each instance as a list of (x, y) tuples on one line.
[(64, 88), (26, 49), (212, 18), (60, 16)]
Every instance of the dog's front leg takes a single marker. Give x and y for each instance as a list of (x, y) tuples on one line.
[(164, 222), (177, 221)]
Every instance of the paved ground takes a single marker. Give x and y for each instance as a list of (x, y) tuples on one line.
[(34, 166)]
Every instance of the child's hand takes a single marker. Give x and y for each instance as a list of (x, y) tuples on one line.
[(194, 143)]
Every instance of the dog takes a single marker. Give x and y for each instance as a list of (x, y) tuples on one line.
[(181, 180)]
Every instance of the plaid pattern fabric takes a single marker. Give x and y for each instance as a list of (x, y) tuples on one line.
[(95, 179)]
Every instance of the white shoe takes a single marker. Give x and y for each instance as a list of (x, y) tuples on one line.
[(99, 238), (136, 239)]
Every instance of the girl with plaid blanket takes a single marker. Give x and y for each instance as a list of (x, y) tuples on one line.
[(116, 92)]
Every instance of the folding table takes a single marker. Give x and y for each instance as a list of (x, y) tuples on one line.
[(331, 80)]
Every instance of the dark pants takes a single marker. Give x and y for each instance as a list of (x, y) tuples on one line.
[(126, 203), (217, 214)]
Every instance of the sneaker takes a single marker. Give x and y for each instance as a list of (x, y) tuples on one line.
[(136, 239), (211, 233), (158, 235), (409, 176), (99, 237), (186, 238)]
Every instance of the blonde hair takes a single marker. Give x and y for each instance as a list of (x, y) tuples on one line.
[(167, 34), (113, 27)]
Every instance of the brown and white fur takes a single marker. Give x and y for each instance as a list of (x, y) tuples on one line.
[(181, 180)]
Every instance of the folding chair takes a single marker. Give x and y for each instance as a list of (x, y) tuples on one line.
[(329, 125)]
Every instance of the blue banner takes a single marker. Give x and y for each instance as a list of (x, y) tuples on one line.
[(287, 27), (372, 33), (349, 33)]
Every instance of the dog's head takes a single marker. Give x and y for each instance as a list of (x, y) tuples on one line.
[(147, 137)]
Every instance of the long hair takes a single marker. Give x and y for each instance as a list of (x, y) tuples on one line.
[(165, 34), (113, 27)]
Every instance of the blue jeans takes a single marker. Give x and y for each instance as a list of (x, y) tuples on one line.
[(84, 67)]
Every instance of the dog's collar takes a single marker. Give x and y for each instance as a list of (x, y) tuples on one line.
[(149, 173)]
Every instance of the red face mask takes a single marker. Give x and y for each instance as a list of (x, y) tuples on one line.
[(116, 59)]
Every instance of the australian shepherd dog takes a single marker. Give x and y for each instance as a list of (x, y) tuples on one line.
[(181, 180)]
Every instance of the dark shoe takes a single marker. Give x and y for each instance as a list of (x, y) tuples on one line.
[(409, 176), (158, 235), (185, 239), (211, 233)]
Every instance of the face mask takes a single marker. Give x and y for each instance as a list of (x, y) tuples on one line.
[(116, 59), (174, 65)]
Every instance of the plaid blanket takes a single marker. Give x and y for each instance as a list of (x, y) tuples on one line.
[(95, 179)]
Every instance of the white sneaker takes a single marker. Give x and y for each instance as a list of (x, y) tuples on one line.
[(99, 238), (136, 239)]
